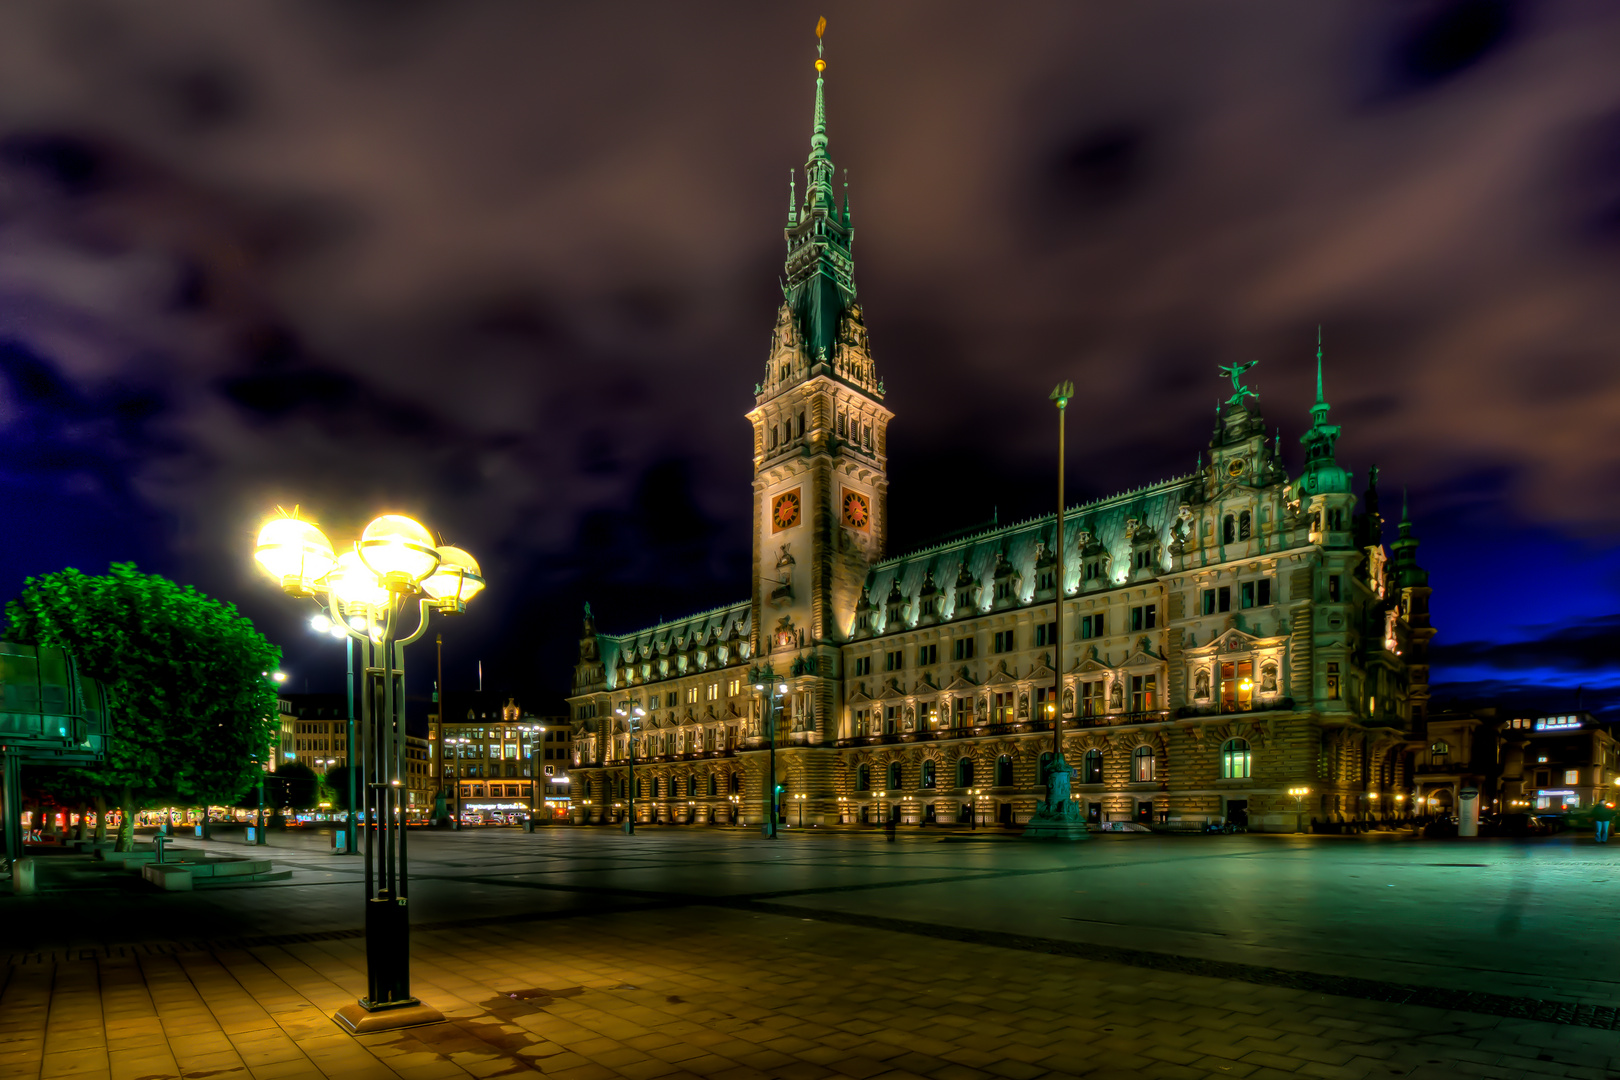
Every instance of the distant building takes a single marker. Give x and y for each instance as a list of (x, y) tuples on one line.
[(1557, 762), (1227, 635), (315, 730), (493, 751)]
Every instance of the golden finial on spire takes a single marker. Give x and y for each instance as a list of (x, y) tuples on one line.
[(821, 28)]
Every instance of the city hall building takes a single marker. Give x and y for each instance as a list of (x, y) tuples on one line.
[(1237, 644)]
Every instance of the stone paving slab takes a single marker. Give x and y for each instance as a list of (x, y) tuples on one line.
[(716, 992)]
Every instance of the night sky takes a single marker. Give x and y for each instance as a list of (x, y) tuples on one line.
[(512, 268)]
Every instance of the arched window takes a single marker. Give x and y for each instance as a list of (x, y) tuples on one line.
[(1236, 759), (735, 784), (1092, 771), (928, 774), (863, 778), (1228, 530), (1046, 767), (638, 787), (714, 784), (1440, 750), (1004, 771), (1245, 526), (964, 772), (691, 786), (1143, 759), (894, 775)]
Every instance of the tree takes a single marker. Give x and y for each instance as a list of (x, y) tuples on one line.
[(337, 780), (294, 786), (193, 713)]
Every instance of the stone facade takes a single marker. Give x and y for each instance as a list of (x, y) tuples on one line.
[(1226, 635)]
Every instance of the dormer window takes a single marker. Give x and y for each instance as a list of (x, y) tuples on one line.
[(1245, 526), (1094, 570), (1336, 519), (1228, 529)]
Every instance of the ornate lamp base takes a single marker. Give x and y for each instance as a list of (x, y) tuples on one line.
[(1058, 818), (356, 1019)]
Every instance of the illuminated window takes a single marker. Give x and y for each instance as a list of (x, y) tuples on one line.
[(928, 778), (1333, 681), (1572, 776), (1144, 692), (1439, 750), (1236, 760), (1143, 760), (1237, 686)]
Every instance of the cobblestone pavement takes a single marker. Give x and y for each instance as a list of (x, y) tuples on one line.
[(710, 953), (714, 992)]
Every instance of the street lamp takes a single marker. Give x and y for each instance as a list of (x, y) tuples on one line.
[(364, 590), (762, 678), (1299, 794), (798, 797), (631, 712), (534, 770)]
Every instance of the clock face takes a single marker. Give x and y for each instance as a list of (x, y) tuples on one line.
[(857, 511), (785, 511), (1236, 466)]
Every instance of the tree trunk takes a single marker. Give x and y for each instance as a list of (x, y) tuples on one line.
[(126, 821), (84, 822), (101, 819)]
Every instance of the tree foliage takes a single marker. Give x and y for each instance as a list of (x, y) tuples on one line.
[(193, 715), (294, 786)]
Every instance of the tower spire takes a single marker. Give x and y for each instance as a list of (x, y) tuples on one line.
[(792, 200), (818, 133), (1322, 473)]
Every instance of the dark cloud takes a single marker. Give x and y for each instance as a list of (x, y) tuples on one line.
[(512, 268), (1586, 645)]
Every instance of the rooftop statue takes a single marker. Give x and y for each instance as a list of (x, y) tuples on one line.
[(1235, 373)]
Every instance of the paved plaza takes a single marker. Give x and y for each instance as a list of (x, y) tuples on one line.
[(586, 953)]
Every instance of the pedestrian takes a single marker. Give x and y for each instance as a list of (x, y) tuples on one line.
[(888, 828), (1602, 814)]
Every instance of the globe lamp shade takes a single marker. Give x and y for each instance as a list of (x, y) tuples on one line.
[(399, 549), (355, 586), (294, 552), (457, 578)]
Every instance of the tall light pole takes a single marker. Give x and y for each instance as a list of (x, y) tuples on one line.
[(764, 680), (1061, 395), (365, 590), (631, 712)]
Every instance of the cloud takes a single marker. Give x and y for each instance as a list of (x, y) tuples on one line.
[(508, 266)]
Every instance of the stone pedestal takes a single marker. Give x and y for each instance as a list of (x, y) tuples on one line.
[(1059, 817), (356, 1019)]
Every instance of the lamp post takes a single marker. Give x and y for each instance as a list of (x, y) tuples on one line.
[(973, 794), (1299, 794), (764, 680), (534, 770), (798, 797), (322, 624), (365, 591), (631, 712)]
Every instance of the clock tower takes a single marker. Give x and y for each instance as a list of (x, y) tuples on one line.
[(820, 454)]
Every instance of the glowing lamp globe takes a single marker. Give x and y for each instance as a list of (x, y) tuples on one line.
[(355, 586), (398, 549), (294, 552), (456, 580)]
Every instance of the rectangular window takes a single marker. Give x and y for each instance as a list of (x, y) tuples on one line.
[(964, 648), (734, 688), (1003, 707), (1572, 776), (691, 695), (962, 712), (863, 665), (1223, 598), (1333, 680), (1092, 626), (1143, 692), (714, 692), (1091, 698), (1541, 779), (927, 654), (1237, 686), (1046, 634), (1246, 594), (1003, 641), (890, 715), (1333, 588), (1208, 598), (1263, 588)]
